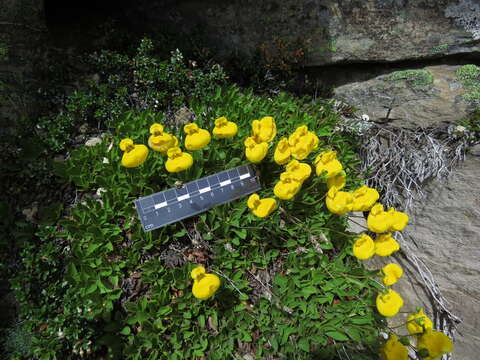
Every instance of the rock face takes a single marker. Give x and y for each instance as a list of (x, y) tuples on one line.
[(343, 31), (22, 29), (422, 97), (444, 233)]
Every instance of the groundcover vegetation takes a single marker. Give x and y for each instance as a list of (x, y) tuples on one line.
[(93, 284)]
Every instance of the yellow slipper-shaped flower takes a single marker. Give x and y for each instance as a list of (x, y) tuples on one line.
[(390, 303), (300, 171), (378, 220), (391, 272), (264, 130), (224, 129), (287, 187), (364, 247), (159, 140), (364, 198), (386, 245), (436, 343), (302, 142), (204, 285), (418, 322), (338, 181), (393, 349), (327, 161), (254, 151), (338, 202), (133, 155), (398, 220), (197, 138), (261, 207), (282, 152), (178, 160)]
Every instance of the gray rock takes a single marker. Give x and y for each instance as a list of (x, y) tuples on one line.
[(343, 31), (475, 150), (423, 97), (93, 141), (445, 233)]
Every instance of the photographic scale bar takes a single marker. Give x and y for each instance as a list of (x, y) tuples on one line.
[(169, 206)]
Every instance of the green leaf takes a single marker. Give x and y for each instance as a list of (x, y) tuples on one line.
[(336, 335), (72, 271), (126, 331)]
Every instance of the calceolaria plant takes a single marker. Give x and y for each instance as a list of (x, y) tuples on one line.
[(272, 275)]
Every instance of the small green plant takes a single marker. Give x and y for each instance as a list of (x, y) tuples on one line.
[(469, 75), (440, 48), (412, 77), (121, 83)]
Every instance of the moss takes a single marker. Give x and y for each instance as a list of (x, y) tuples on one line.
[(440, 48), (469, 76), (412, 77)]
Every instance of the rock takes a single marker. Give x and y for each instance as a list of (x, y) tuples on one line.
[(475, 150), (93, 141), (332, 32), (445, 235), (83, 128), (183, 116), (424, 97), (31, 212)]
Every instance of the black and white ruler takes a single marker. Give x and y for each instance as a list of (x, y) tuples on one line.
[(169, 206)]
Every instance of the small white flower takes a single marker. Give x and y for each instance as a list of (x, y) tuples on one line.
[(105, 161), (365, 117), (100, 191), (60, 334), (384, 335)]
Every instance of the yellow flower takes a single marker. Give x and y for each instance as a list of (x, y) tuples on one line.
[(302, 142), (178, 160), (204, 285), (254, 151), (224, 128), (133, 155), (261, 207), (338, 181), (392, 272), (380, 221), (264, 130), (196, 138), (300, 171), (159, 140), (390, 303), (287, 187), (282, 152), (363, 248), (338, 202), (418, 322), (386, 245), (364, 198), (436, 343), (327, 161), (393, 349), (398, 220)]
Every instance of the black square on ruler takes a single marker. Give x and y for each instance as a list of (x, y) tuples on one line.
[(192, 187), (202, 183), (170, 195), (243, 169), (223, 176), (158, 198), (233, 174)]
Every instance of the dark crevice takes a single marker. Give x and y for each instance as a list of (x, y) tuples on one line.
[(328, 77)]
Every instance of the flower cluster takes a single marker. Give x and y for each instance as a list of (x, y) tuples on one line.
[(256, 145), (167, 144), (431, 344)]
